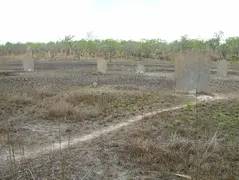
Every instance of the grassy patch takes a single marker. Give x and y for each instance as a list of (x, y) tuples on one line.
[(202, 143), (100, 106), (87, 103)]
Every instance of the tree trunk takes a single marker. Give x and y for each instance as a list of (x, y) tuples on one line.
[(78, 54), (110, 57)]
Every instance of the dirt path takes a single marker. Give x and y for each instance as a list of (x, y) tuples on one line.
[(74, 141)]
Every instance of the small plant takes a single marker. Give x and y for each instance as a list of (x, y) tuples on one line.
[(189, 106)]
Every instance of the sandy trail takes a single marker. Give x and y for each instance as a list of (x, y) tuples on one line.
[(76, 140)]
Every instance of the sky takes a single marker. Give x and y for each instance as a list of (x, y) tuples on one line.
[(51, 20)]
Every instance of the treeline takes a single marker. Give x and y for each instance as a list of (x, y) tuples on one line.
[(109, 48)]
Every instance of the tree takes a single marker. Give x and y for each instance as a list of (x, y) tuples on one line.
[(110, 46), (147, 48), (92, 47), (19, 48), (1, 50), (129, 48), (223, 49), (34, 47), (184, 43), (233, 47), (69, 41), (214, 43), (8, 48), (80, 47)]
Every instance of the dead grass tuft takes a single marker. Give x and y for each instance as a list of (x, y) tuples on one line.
[(148, 153), (61, 109)]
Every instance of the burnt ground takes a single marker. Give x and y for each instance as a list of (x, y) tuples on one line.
[(65, 73), (32, 104)]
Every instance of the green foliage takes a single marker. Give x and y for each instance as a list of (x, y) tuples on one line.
[(8, 44), (190, 106), (110, 47), (214, 42), (146, 48), (68, 39), (1, 50), (33, 45), (129, 49)]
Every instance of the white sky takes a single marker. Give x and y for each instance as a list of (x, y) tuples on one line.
[(45, 20)]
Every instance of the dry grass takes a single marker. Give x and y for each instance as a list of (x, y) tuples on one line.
[(87, 103), (25, 109), (21, 99), (60, 109), (195, 143), (204, 146)]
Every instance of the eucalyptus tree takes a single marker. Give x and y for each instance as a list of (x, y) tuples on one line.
[(110, 47), (19, 48), (1, 50), (233, 47), (68, 41), (146, 48), (214, 42), (80, 48), (51, 49), (92, 47), (129, 48), (8, 48)]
